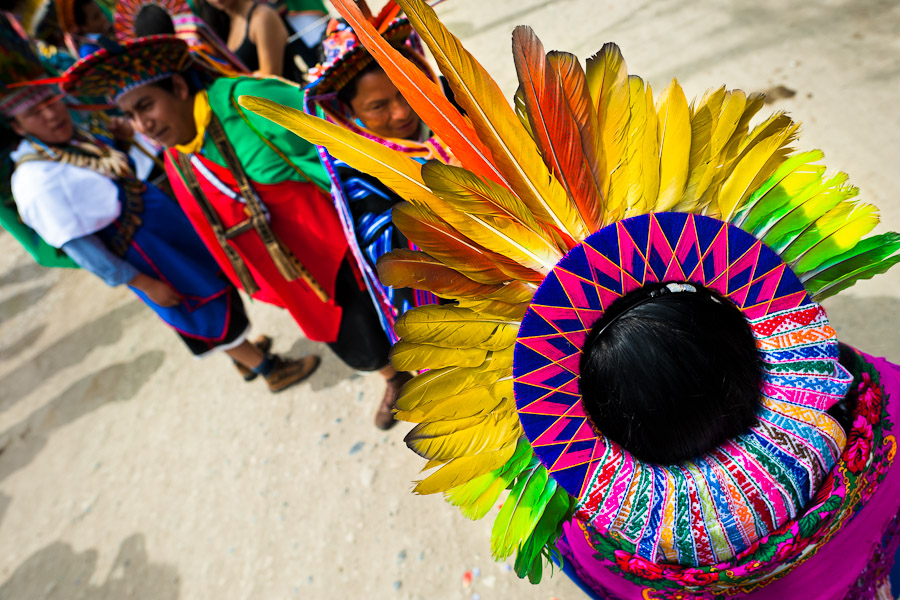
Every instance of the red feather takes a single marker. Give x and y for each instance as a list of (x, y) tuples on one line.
[(386, 15), (553, 126)]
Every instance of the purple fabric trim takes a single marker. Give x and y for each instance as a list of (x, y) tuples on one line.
[(850, 566)]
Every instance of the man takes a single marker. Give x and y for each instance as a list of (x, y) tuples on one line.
[(256, 194), (80, 193)]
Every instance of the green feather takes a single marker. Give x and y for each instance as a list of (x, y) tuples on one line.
[(521, 510), (838, 285), (837, 232), (866, 253), (530, 556), (796, 173), (477, 497), (805, 209)]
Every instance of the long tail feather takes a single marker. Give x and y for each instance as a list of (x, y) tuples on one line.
[(459, 471), (473, 401), (575, 87), (465, 437), (400, 173), (513, 151), (478, 496), (407, 356), (454, 327), (607, 78), (836, 232), (441, 241), (674, 146)]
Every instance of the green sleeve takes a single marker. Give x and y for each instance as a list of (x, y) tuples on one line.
[(304, 5), (261, 162), (45, 254)]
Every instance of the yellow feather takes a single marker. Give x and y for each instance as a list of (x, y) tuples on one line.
[(443, 383), (607, 77), (407, 356), (454, 327), (491, 216), (651, 154), (497, 309), (762, 153), (642, 148), (728, 139), (460, 471), (674, 146), (398, 172), (513, 150), (470, 402), (465, 437), (704, 117)]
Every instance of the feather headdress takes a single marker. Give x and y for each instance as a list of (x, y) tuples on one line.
[(580, 148)]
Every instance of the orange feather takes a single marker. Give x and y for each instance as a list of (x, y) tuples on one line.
[(574, 83), (553, 125), (386, 15), (424, 95), (411, 268)]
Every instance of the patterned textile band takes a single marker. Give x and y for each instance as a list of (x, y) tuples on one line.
[(16, 102)]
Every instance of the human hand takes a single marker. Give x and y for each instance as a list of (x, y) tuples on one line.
[(121, 129), (159, 292)]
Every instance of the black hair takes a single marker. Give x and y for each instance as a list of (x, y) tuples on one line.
[(78, 7), (671, 375), (153, 19), (216, 19), (348, 92), (167, 85)]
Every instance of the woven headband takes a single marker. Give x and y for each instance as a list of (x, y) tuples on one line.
[(705, 510)]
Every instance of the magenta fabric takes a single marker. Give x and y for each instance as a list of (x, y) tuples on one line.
[(829, 575)]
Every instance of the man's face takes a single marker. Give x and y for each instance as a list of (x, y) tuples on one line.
[(167, 117), (382, 109), (95, 21), (49, 122)]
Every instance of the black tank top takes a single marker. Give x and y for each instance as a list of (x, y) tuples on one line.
[(246, 52)]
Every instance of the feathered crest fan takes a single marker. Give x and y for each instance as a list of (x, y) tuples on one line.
[(579, 148)]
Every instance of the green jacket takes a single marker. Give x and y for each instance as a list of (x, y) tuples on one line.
[(261, 162)]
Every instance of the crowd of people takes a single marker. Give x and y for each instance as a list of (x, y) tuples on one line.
[(624, 331), (227, 200)]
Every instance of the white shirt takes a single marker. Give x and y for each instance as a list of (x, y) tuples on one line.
[(62, 202)]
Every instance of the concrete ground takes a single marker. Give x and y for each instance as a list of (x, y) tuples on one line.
[(130, 470)]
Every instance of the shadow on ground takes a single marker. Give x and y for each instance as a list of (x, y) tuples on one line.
[(21, 443), (22, 301), (26, 341), (27, 271), (69, 350), (58, 572), (331, 371)]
